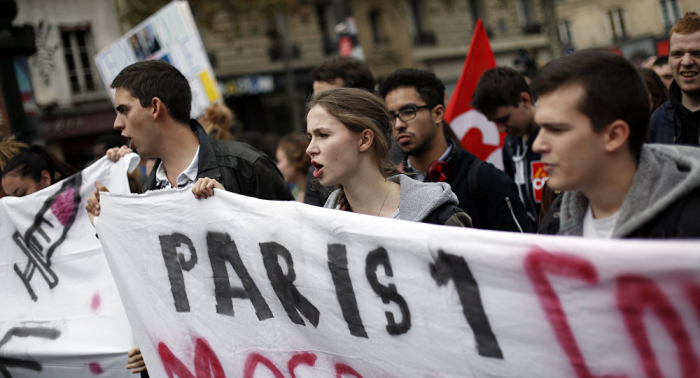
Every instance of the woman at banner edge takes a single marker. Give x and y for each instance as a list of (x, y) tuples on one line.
[(32, 170), (36, 168), (350, 134)]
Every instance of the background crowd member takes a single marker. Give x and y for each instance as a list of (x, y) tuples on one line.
[(32, 170), (416, 100), (265, 142), (677, 121), (9, 147), (661, 67), (153, 101), (350, 136), (658, 94), (343, 72), (593, 111), (218, 121), (103, 143), (294, 163), (338, 72), (503, 96)]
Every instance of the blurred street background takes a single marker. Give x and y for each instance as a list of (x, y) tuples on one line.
[(262, 52)]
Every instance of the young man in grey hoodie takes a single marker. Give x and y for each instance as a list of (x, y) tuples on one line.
[(593, 110)]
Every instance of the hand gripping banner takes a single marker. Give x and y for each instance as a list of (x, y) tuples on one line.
[(233, 286), (61, 315)]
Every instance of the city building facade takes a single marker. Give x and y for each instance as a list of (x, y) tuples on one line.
[(637, 29), (433, 35), (264, 67), (74, 105)]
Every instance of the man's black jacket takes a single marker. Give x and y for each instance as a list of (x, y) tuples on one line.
[(239, 167), (670, 121)]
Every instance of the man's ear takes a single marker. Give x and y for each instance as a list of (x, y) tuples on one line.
[(616, 135), (438, 114), (158, 108), (525, 100), (366, 139)]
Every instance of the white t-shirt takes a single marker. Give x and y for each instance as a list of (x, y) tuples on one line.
[(598, 228)]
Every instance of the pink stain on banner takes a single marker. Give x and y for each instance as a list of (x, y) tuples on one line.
[(62, 207), (96, 301), (95, 368)]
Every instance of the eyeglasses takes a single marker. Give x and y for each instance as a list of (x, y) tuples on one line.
[(408, 112)]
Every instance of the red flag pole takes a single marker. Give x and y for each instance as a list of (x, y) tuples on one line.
[(479, 59), (476, 133)]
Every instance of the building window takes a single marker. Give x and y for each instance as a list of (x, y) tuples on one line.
[(670, 12), (501, 26), (565, 33), (77, 52), (475, 10), (276, 50), (378, 34), (526, 15), (421, 36), (326, 22), (616, 22)]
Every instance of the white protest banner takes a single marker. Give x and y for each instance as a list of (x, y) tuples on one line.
[(61, 315), (170, 35), (233, 286)]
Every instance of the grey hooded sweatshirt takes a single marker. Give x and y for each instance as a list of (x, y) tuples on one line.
[(663, 201), (418, 201)]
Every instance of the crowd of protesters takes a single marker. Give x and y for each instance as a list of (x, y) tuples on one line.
[(619, 146)]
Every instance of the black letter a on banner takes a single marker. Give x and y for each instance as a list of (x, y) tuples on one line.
[(454, 267), (222, 249), (288, 294)]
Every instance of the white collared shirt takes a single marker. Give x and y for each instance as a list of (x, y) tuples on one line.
[(185, 178)]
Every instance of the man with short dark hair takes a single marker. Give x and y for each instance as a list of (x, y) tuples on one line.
[(416, 99), (503, 96), (343, 72), (592, 108), (661, 67), (677, 121), (153, 101)]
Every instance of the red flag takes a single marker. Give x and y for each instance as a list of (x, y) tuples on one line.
[(476, 133)]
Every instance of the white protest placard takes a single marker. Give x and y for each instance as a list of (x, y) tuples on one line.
[(233, 286), (61, 315), (170, 35)]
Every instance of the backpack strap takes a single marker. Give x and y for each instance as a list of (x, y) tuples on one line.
[(472, 181), (473, 185), (442, 214)]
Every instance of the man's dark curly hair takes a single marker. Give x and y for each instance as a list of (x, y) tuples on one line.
[(430, 89), (354, 72), (500, 86)]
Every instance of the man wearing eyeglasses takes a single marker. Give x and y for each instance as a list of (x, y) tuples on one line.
[(416, 99)]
